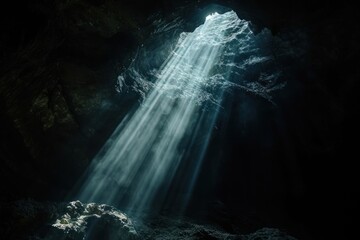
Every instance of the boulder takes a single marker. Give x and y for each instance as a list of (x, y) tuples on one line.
[(91, 221), (29, 219)]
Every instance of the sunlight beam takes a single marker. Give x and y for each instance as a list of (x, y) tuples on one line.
[(140, 160)]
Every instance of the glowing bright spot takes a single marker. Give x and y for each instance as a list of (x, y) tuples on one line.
[(212, 15)]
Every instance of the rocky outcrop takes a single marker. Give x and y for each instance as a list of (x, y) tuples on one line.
[(28, 219), (173, 228), (92, 221)]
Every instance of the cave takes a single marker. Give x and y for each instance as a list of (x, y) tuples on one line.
[(193, 119)]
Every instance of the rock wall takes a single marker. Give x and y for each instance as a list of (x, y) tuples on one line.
[(59, 62), (58, 101)]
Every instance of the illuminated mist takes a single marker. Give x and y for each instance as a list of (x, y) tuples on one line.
[(168, 134)]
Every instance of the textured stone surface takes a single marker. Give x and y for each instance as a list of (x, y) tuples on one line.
[(59, 60), (168, 228), (57, 95), (29, 219), (92, 221)]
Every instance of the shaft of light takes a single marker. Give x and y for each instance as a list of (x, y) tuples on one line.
[(138, 163)]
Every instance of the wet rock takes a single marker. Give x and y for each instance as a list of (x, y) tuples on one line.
[(32, 220), (29, 219), (92, 221)]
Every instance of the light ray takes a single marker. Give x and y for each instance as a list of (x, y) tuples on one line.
[(139, 162)]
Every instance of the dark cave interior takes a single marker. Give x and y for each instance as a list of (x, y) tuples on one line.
[(291, 167)]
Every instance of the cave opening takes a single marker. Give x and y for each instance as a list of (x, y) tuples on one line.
[(196, 119), (160, 146)]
